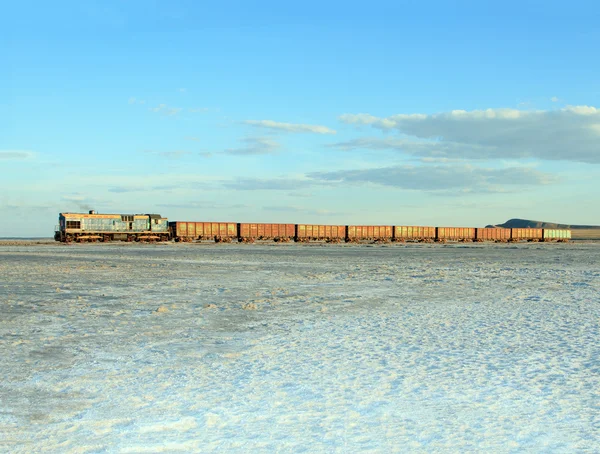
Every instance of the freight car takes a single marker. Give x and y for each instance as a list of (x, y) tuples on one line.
[(498, 235), (558, 235), (82, 227), (224, 232), (531, 235), (378, 233), (327, 233), (414, 233), (462, 234), (249, 233)]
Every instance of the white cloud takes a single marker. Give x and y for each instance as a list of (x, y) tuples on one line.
[(73, 198), (554, 99), (133, 100), (451, 179), (124, 189), (255, 146), (304, 195), (582, 110), (205, 205), (16, 155), (418, 147), (290, 127), (463, 178), (165, 110), (269, 184), (175, 154), (429, 159), (198, 110), (302, 210), (570, 133)]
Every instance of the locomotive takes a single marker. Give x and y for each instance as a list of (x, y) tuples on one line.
[(83, 227), (92, 226)]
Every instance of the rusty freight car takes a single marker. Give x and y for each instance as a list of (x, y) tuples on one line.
[(497, 235), (414, 233), (249, 233), (531, 235), (462, 234), (358, 233), (198, 231), (328, 233)]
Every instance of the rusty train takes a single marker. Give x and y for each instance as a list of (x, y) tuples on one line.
[(91, 227)]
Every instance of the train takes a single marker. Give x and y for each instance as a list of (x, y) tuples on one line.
[(93, 227)]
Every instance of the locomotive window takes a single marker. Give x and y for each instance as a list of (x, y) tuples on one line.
[(73, 224), (127, 218), (156, 221)]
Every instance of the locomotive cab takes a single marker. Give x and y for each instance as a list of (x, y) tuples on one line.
[(158, 223)]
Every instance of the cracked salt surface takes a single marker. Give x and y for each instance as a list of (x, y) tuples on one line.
[(286, 348)]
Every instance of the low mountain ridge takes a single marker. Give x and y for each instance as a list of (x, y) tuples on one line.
[(526, 223)]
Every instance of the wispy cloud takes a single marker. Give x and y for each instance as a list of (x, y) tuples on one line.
[(133, 100), (123, 189), (16, 155), (73, 197), (304, 195), (290, 127), (165, 110), (175, 154), (430, 149), (258, 184), (302, 210), (148, 188), (255, 146), (205, 205), (29, 209), (198, 110), (429, 160), (571, 134), (440, 178)]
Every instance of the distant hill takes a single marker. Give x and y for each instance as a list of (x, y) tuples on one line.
[(525, 223)]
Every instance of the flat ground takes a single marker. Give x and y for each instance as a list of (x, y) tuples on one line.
[(263, 348), (586, 234)]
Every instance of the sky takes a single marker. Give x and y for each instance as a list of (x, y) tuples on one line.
[(462, 113)]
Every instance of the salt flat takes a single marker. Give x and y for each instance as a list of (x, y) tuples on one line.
[(291, 348)]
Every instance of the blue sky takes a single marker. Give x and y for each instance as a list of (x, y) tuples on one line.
[(425, 113)]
